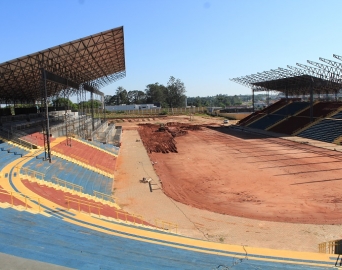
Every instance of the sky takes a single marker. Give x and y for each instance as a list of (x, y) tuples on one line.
[(204, 43)]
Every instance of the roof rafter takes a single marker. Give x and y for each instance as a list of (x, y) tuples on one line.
[(96, 60)]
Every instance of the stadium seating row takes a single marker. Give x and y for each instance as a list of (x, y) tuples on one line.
[(294, 117), (89, 155), (9, 153), (52, 240), (72, 173)]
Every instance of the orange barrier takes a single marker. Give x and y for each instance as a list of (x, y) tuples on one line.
[(165, 225), (82, 202)]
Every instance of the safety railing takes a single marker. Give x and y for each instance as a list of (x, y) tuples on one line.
[(165, 225), (31, 173), (135, 219), (67, 184), (19, 196), (84, 203), (331, 247), (104, 197)]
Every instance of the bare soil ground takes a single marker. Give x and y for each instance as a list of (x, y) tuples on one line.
[(135, 197), (246, 175)]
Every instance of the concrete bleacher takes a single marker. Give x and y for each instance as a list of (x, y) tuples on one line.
[(36, 138), (293, 123), (72, 173), (89, 204), (10, 198), (51, 240), (104, 146), (278, 115), (9, 153), (86, 154), (267, 121), (258, 114), (326, 130)]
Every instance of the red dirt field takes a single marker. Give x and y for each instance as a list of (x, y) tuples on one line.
[(242, 174)]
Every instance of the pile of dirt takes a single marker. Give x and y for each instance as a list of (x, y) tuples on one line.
[(160, 138)]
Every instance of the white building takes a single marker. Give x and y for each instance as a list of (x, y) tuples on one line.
[(124, 107)]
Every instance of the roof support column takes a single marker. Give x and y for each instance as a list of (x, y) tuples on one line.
[(311, 103), (92, 109), (66, 119), (103, 108), (253, 99), (46, 126)]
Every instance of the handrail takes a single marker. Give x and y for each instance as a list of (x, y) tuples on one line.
[(17, 195), (61, 182), (81, 202), (104, 196), (127, 215), (330, 247), (27, 171), (165, 225)]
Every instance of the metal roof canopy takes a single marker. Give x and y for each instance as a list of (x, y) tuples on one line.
[(319, 77), (298, 85), (88, 63)]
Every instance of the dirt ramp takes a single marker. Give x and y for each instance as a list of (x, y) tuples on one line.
[(160, 138)]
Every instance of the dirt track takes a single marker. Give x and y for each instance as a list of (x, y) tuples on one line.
[(240, 174)]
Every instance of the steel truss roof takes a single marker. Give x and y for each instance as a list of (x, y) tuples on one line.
[(91, 63), (320, 77)]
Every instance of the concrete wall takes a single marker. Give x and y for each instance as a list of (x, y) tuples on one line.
[(236, 116)]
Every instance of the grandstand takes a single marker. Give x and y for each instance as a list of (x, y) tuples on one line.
[(57, 189)]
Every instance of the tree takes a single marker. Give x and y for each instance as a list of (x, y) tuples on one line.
[(136, 97), (107, 99), (156, 93), (175, 96), (87, 104), (121, 96), (60, 102)]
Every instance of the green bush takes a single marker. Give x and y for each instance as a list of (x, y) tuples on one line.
[(164, 112)]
